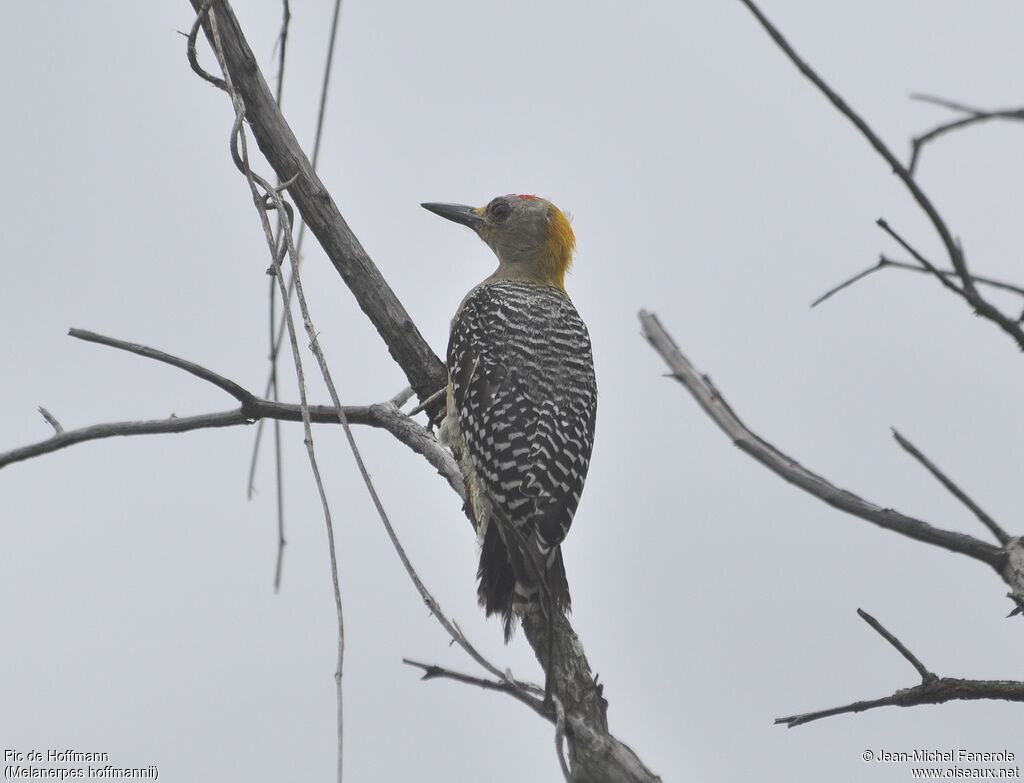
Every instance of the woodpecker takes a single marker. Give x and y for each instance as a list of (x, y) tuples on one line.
[(521, 402)]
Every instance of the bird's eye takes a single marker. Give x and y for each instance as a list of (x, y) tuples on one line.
[(499, 211)]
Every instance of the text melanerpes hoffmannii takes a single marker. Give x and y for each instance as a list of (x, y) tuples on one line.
[(522, 401)]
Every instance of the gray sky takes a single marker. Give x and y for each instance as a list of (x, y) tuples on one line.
[(708, 182)]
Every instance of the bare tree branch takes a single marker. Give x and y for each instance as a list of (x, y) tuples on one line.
[(277, 328), (238, 137), (712, 402), (974, 117), (425, 372), (898, 645), (273, 391), (51, 420), (932, 689), (232, 388), (968, 290), (520, 691), (1001, 535), (924, 262), (887, 263)]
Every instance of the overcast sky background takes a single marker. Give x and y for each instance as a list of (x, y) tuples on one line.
[(708, 182)]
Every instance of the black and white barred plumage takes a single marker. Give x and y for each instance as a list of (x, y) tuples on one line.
[(522, 404)]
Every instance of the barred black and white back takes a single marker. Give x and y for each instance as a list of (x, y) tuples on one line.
[(522, 404)]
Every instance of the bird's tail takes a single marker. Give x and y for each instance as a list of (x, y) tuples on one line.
[(497, 580), (500, 591)]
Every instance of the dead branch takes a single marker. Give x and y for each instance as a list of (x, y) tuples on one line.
[(385, 416), (240, 154), (425, 372), (887, 263), (924, 262), (1007, 560), (232, 388), (787, 468), (967, 288), (1001, 535), (51, 420), (521, 691), (932, 689), (974, 116)]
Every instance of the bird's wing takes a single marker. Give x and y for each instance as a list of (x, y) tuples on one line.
[(526, 406)]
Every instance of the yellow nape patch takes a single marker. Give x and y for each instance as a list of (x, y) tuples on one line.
[(561, 244)]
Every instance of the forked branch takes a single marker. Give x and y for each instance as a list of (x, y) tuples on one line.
[(931, 690), (425, 372), (384, 415), (974, 116), (787, 468), (967, 289), (885, 262)]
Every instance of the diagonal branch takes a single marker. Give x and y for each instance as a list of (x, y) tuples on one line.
[(924, 262), (715, 406), (51, 420), (1001, 535), (232, 388), (384, 416), (932, 689), (898, 645), (969, 291), (425, 372), (240, 153), (974, 117), (520, 691), (917, 142)]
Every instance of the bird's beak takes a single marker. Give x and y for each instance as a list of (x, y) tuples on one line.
[(457, 213)]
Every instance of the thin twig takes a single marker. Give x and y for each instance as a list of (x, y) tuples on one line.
[(1001, 535), (924, 262), (917, 142), (279, 497), (887, 263), (277, 332), (521, 691), (238, 132), (848, 282), (945, 103), (428, 402), (51, 420), (232, 388), (402, 397), (900, 647), (190, 48), (282, 45), (382, 416)]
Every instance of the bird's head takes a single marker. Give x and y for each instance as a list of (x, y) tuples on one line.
[(531, 237)]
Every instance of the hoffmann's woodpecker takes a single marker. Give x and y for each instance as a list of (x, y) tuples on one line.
[(522, 402)]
